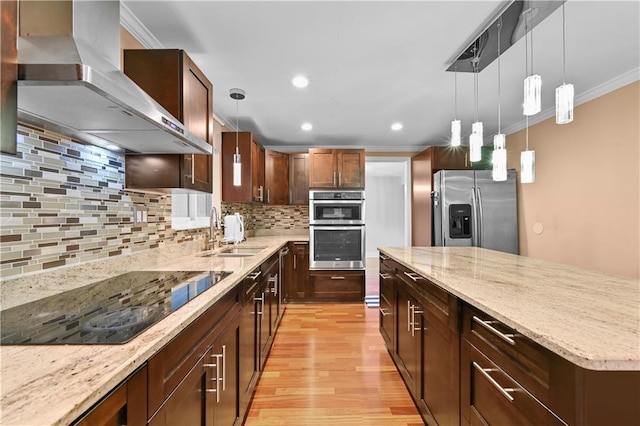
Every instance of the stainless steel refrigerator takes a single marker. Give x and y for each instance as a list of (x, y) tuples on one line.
[(470, 209)]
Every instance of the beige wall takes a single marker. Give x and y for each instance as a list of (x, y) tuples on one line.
[(587, 190)]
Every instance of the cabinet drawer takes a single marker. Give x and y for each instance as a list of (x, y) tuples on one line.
[(492, 397), (337, 285), (523, 359)]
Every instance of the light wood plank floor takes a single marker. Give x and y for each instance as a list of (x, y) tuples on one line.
[(329, 366)]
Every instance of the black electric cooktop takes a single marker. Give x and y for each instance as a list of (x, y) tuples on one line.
[(111, 311)]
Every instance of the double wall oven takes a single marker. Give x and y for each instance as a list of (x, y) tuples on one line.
[(336, 230)]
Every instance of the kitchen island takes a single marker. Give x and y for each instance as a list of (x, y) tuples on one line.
[(54, 384), (558, 340)]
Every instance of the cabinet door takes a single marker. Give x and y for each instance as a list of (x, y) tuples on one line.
[(299, 179), (224, 384), (408, 339), (126, 405), (263, 326), (387, 309), (322, 168), (297, 283), (257, 171), (191, 402), (350, 168), (198, 118), (440, 390), (243, 193), (276, 177)]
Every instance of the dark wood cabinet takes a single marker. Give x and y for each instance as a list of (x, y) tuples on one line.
[(223, 364), (336, 286), (336, 168), (387, 310), (299, 179), (125, 405), (423, 166), (297, 276), (424, 340), (276, 167), (252, 158), (176, 83), (249, 357)]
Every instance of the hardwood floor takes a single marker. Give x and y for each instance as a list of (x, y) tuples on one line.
[(329, 366)]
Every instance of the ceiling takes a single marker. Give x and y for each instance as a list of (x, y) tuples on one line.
[(372, 63)]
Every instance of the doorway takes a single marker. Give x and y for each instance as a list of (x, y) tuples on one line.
[(387, 211)]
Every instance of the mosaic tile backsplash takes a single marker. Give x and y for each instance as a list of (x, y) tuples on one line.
[(63, 202)]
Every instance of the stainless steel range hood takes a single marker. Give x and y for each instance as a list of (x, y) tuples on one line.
[(69, 81)]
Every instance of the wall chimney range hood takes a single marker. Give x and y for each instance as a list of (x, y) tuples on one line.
[(69, 81)]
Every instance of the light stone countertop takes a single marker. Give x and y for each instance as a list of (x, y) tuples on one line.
[(590, 319), (54, 384)]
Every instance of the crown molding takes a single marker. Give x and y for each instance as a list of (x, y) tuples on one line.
[(137, 29)]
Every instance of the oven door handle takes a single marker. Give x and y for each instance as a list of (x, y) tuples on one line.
[(336, 228)]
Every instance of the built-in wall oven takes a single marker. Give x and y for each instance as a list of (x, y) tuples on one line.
[(336, 230)]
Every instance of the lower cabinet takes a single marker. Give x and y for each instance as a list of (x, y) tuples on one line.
[(125, 405), (336, 286), (387, 310), (297, 272), (249, 357)]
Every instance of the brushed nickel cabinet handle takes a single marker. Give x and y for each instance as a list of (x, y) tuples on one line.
[(506, 392), (414, 277), (384, 276), (337, 278), (487, 324), (339, 178), (383, 257), (255, 275), (409, 315), (384, 312), (193, 169)]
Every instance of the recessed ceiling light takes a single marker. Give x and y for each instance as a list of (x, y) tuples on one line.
[(112, 147), (396, 126), (306, 126), (300, 81)]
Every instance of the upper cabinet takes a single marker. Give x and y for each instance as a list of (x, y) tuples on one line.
[(299, 178), (423, 166), (176, 83), (336, 168), (276, 177), (252, 159)]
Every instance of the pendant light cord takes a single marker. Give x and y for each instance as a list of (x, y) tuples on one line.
[(564, 55), (499, 98), (526, 44), (237, 128), (475, 76), (455, 91)]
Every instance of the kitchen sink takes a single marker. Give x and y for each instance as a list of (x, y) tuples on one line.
[(235, 252)]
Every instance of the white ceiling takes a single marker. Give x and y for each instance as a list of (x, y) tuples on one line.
[(372, 63)]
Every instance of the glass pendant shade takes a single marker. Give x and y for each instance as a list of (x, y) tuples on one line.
[(475, 145), (564, 104), (237, 170), (455, 133), (532, 92), (499, 159), (527, 166), (478, 129)]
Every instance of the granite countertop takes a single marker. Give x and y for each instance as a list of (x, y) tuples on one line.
[(590, 319), (53, 385)]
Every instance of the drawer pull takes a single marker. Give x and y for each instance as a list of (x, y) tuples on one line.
[(487, 324), (384, 276), (414, 277), (383, 257), (384, 312), (337, 278), (255, 275), (485, 372)]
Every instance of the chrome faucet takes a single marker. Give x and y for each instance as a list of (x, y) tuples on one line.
[(214, 223)]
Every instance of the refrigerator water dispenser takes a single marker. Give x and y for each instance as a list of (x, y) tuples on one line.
[(460, 221)]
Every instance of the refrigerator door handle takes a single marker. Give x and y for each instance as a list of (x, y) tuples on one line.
[(480, 217), (474, 218)]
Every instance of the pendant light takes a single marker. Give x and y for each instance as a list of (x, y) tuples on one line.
[(527, 159), (499, 158), (456, 127), (238, 95), (476, 137), (532, 83), (564, 93)]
